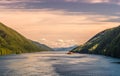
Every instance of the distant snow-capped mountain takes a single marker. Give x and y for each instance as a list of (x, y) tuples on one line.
[(65, 48)]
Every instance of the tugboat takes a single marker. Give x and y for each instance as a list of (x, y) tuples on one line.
[(70, 52)]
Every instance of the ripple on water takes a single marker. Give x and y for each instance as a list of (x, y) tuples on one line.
[(55, 64), (31, 66)]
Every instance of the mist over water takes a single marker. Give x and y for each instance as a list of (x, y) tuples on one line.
[(58, 63)]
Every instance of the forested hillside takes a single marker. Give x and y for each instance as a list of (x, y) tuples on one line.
[(106, 42), (11, 42)]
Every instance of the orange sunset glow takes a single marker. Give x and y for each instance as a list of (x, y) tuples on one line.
[(65, 26)]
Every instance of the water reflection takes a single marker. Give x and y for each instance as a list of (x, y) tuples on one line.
[(58, 64)]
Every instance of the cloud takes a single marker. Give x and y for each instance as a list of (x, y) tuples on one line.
[(96, 1), (72, 0), (43, 39), (101, 7), (81, 1), (60, 40), (65, 43), (99, 1), (89, 1), (69, 21), (113, 20)]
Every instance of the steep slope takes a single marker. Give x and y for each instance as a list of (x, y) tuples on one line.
[(12, 42), (42, 46), (106, 42)]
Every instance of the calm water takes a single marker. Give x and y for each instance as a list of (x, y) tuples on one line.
[(58, 64)]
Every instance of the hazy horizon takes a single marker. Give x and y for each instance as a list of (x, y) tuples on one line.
[(60, 23)]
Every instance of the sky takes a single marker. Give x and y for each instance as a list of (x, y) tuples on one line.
[(60, 23)]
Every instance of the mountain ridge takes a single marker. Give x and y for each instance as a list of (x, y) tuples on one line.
[(11, 42), (106, 42)]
